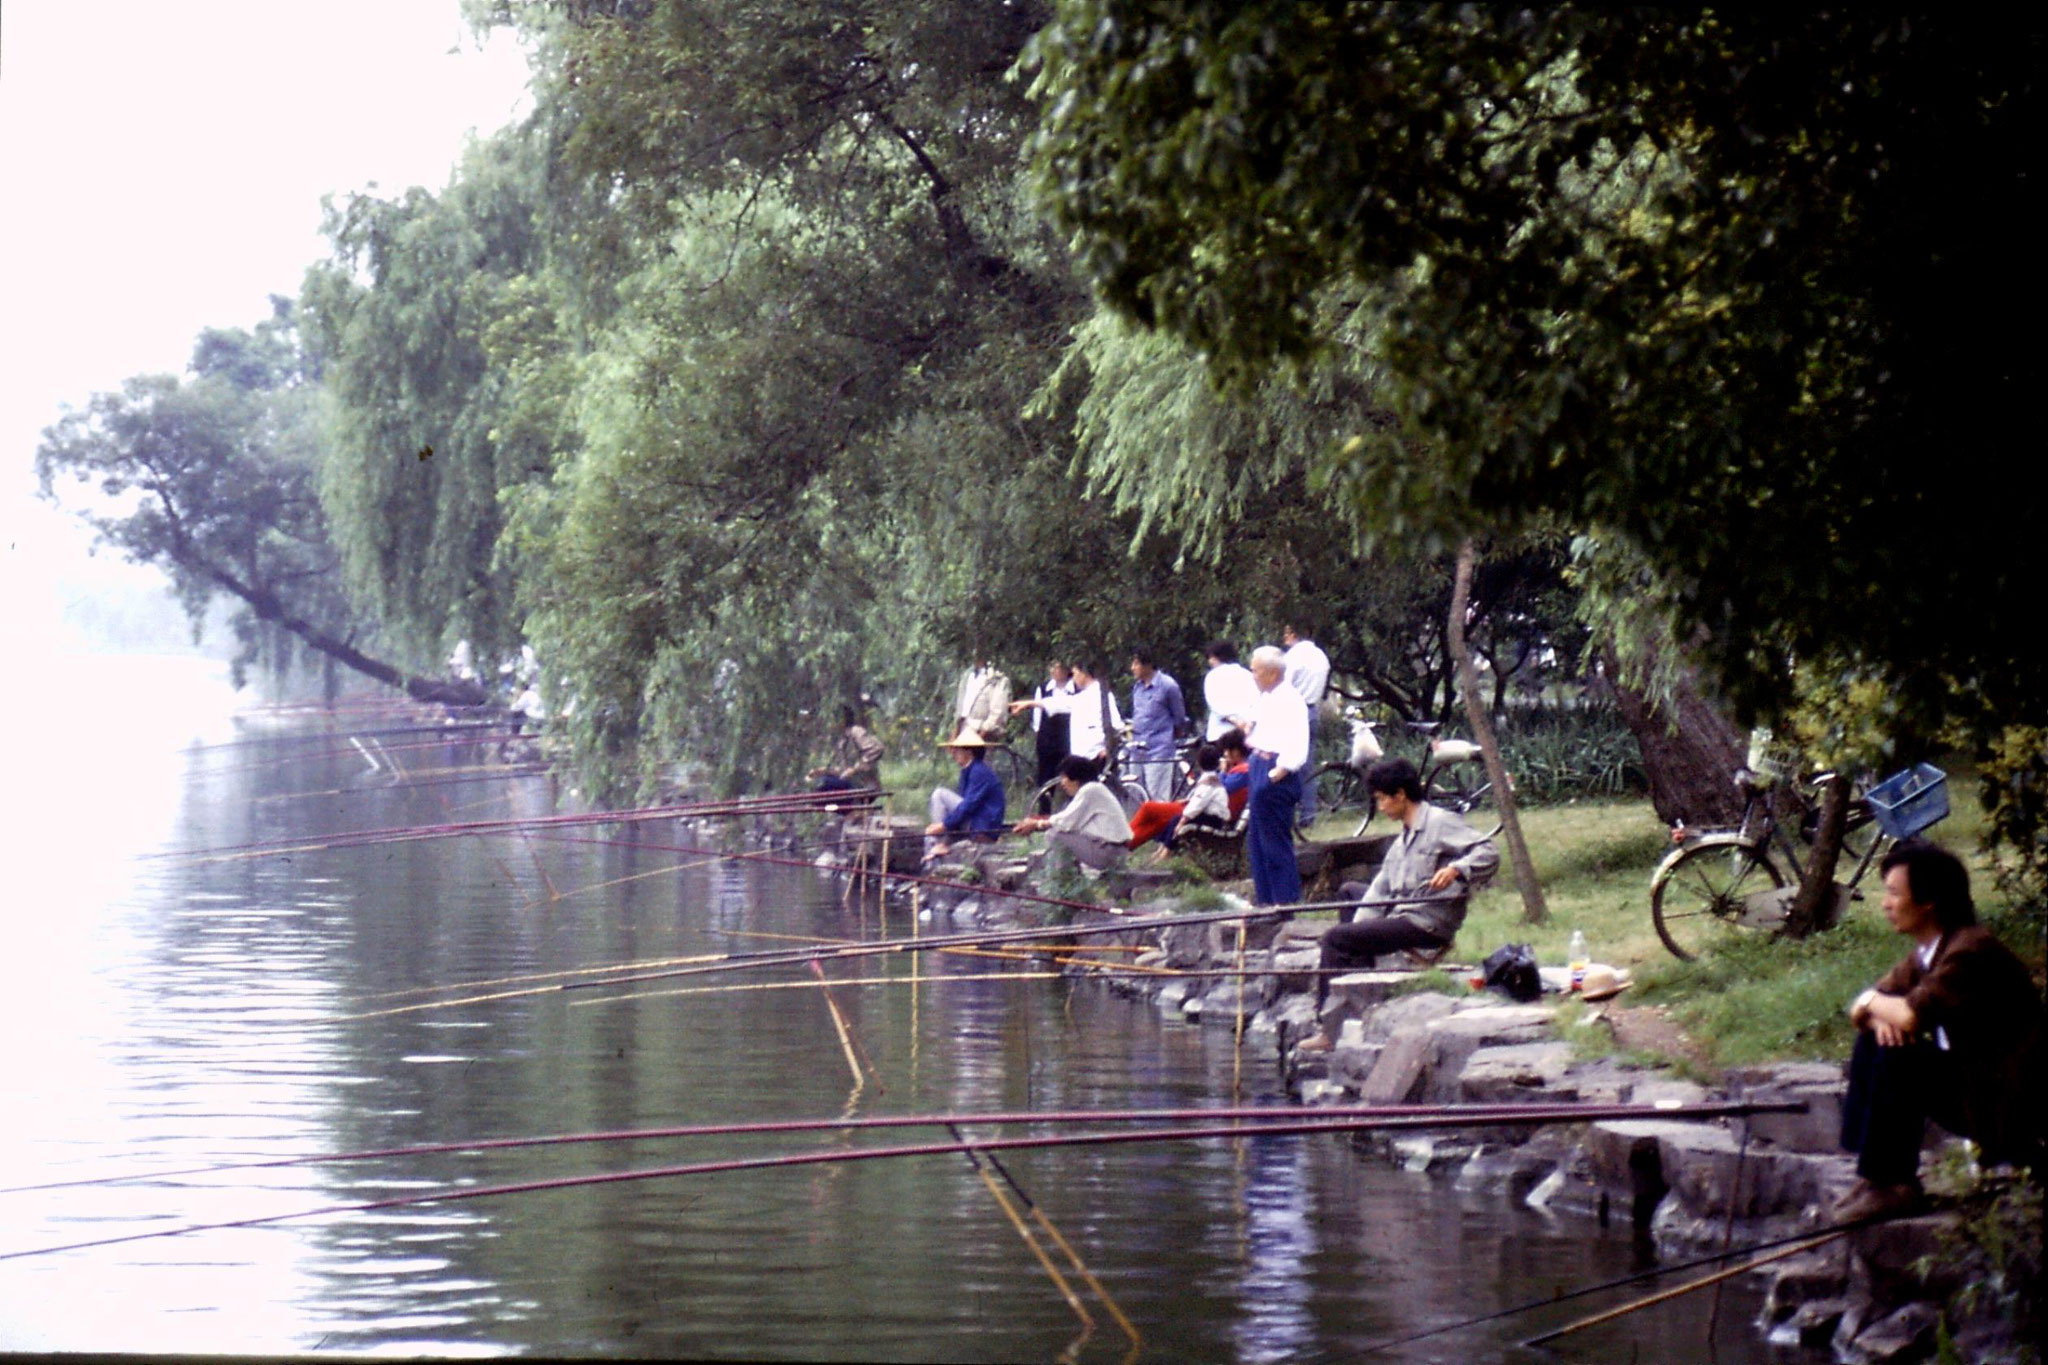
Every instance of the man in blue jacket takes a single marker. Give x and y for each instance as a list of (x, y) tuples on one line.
[(976, 809)]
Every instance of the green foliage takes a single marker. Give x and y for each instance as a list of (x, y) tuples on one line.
[(449, 374), (1564, 753), (2015, 795), (1707, 283), (212, 478)]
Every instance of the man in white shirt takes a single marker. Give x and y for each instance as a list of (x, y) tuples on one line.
[(1089, 707), (1308, 672), (1278, 730), (1227, 690)]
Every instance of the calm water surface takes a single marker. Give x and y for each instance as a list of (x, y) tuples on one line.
[(169, 1013)]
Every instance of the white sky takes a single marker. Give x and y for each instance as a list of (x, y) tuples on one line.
[(162, 163)]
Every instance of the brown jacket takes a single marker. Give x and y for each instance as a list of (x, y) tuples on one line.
[(1982, 997)]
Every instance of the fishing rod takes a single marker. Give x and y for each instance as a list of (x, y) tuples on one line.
[(795, 803), (1505, 1116), (451, 728), (1405, 1115)]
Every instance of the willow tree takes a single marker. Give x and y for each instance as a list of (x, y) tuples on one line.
[(212, 476)]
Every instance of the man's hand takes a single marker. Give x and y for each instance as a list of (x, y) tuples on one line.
[(1888, 1017), (1443, 878)]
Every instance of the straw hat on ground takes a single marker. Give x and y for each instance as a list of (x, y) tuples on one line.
[(1602, 982)]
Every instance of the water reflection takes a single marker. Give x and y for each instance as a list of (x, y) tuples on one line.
[(181, 1014)]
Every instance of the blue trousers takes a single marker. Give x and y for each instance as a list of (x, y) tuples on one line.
[(1269, 835)]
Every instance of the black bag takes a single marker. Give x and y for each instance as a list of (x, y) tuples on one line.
[(1512, 972)]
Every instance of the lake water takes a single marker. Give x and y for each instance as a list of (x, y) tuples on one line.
[(170, 1013)]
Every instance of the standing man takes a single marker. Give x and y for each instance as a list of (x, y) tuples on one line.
[(1091, 711), (1227, 690), (1158, 716), (1308, 672), (984, 701), (1278, 731)]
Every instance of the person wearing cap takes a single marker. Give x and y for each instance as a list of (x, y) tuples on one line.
[(1091, 826), (1278, 730), (976, 809), (1436, 858), (1953, 1034)]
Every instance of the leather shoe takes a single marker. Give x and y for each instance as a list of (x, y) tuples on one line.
[(1315, 1042), (1865, 1200)]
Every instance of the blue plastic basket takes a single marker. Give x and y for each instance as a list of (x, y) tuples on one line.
[(1908, 802)]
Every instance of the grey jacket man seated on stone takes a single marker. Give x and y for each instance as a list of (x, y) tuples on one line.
[(1435, 858), (1091, 826)]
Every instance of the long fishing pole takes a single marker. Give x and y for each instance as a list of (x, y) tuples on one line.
[(1234, 1132), (785, 804), (1355, 1115), (797, 957)]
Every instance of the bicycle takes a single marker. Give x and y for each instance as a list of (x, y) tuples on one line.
[(1129, 791), (1725, 881), (1450, 778)]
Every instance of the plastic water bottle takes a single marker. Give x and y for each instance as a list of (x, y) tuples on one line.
[(1578, 958)]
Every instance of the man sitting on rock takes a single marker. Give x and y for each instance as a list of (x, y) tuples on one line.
[(1436, 858), (1091, 826), (976, 809), (1952, 1033)]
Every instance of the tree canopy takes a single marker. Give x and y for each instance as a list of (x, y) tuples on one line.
[(1730, 286)]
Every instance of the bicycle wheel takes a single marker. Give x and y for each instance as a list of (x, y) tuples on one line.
[(1700, 893), (1340, 789), (1464, 791)]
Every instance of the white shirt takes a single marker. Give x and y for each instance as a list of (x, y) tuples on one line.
[(1084, 726), (1047, 690), (1228, 690), (1094, 812), (1280, 727), (1308, 671)]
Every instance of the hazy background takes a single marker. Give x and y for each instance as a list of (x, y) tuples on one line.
[(163, 166)]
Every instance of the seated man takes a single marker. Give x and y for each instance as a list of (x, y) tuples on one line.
[(1214, 803), (1091, 826), (855, 758), (1436, 858), (1953, 1033), (976, 809)]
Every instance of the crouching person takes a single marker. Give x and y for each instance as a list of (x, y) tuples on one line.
[(1953, 1034), (1435, 858), (1091, 826)]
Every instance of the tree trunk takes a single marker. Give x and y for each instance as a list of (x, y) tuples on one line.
[(269, 607), (1690, 747), (1814, 908), (1534, 911)]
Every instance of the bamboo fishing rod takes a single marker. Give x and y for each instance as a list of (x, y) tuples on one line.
[(1349, 1116), (1533, 1114), (796, 957), (786, 804), (452, 729)]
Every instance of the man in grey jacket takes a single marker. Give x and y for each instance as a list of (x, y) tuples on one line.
[(1436, 858)]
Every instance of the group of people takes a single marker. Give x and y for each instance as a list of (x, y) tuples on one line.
[(1953, 1033)]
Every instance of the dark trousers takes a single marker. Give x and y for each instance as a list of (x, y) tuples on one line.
[(1356, 946), (1893, 1091), (1269, 835), (1052, 747)]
